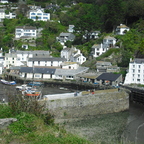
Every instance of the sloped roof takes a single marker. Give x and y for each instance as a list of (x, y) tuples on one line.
[(108, 76), (122, 26), (72, 72), (109, 38), (37, 70), (46, 59), (138, 60), (26, 27)]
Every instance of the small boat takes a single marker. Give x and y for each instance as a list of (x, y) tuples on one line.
[(23, 87), (32, 92), (8, 82), (35, 84)]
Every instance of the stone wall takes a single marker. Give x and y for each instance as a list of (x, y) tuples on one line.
[(89, 105)]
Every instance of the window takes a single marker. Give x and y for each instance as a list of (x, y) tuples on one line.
[(133, 66), (33, 14), (139, 66), (133, 70), (138, 80), (138, 75), (45, 14), (37, 76), (138, 71), (97, 49), (45, 17), (39, 13)]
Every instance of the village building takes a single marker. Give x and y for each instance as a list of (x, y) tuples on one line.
[(27, 32), (4, 15), (109, 41), (103, 66), (38, 15), (91, 35), (110, 79), (20, 58), (64, 37), (98, 49), (45, 61), (73, 55), (122, 29), (135, 74)]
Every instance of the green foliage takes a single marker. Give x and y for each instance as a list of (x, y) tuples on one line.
[(5, 111), (108, 53), (25, 124)]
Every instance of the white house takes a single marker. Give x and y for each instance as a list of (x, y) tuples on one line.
[(69, 65), (38, 15), (98, 49), (73, 55), (66, 53), (77, 56), (20, 58), (122, 29), (4, 1), (3, 15), (45, 61), (71, 28), (25, 31), (135, 73), (109, 41)]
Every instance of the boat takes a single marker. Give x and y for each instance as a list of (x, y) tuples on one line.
[(23, 87), (32, 93), (35, 84), (8, 82)]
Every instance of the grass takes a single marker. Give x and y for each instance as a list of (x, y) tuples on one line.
[(32, 129)]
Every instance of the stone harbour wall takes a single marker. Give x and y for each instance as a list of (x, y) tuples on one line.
[(89, 105)]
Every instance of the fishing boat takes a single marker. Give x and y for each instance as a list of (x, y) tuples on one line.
[(8, 82), (32, 93)]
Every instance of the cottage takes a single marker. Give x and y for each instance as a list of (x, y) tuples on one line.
[(122, 29), (135, 73), (98, 49), (64, 37), (109, 41)]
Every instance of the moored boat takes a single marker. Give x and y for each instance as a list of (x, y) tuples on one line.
[(32, 92), (8, 82)]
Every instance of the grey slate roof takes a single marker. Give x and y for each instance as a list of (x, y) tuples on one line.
[(108, 76), (138, 60), (47, 59), (33, 52), (72, 72), (37, 70), (26, 27)]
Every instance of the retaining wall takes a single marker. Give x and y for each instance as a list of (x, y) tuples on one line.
[(89, 105)]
